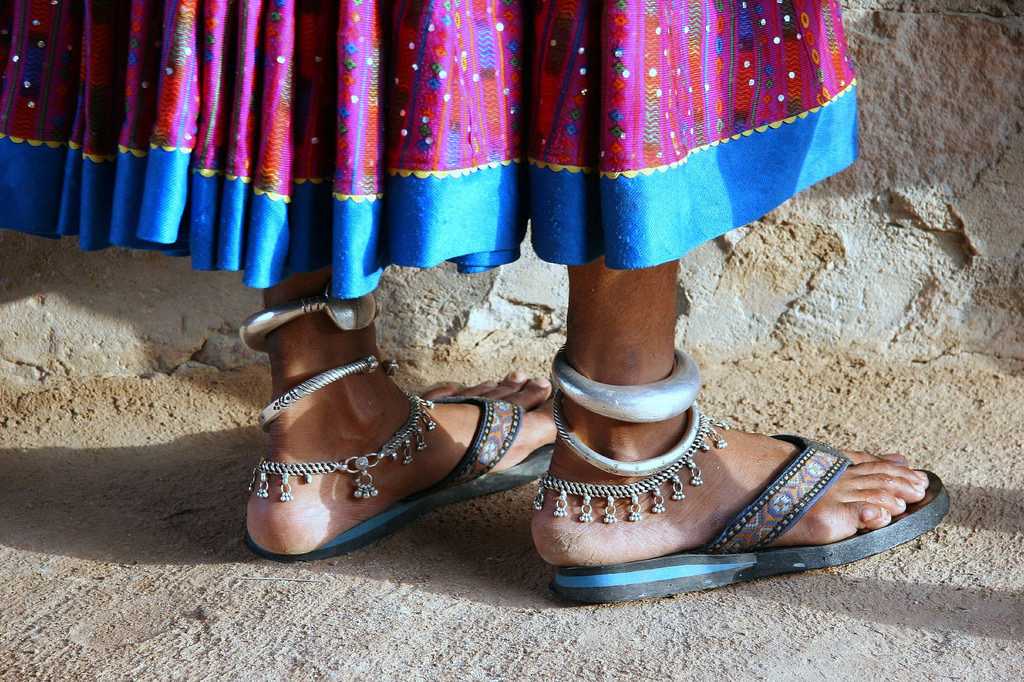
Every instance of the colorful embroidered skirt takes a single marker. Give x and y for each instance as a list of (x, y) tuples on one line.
[(276, 136)]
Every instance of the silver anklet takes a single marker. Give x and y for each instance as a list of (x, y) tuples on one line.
[(408, 440), (314, 384), (345, 313), (653, 402), (707, 429), (644, 467)]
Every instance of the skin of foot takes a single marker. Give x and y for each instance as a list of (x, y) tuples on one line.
[(356, 416), (621, 330)]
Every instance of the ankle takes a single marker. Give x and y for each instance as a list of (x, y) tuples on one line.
[(346, 418), (350, 417), (311, 344)]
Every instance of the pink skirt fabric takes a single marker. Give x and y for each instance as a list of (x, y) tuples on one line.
[(275, 136)]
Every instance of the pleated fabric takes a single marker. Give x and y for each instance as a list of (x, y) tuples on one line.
[(280, 136)]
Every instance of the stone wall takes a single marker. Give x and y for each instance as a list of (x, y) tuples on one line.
[(917, 252)]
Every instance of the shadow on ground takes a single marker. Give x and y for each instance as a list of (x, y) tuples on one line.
[(182, 503)]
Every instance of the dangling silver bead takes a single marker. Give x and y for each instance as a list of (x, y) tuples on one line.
[(659, 502), (696, 479), (609, 510), (286, 489), (364, 486), (561, 505), (677, 488), (634, 509), (586, 510), (264, 488), (538, 499)]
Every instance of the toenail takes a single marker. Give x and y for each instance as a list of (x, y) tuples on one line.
[(518, 375), (900, 504), (869, 514), (543, 383)]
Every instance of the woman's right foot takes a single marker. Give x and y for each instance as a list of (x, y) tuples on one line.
[(868, 495)]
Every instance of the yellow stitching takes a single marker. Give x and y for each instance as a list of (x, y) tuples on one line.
[(454, 173), (661, 169)]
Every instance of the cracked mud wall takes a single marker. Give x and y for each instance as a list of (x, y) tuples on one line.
[(915, 253)]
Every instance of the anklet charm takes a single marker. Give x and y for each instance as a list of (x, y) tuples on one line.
[(677, 488), (609, 510), (586, 509), (561, 504), (634, 509)]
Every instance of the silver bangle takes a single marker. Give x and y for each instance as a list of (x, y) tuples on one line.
[(696, 430), (653, 402), (346, 313), (278, 405)]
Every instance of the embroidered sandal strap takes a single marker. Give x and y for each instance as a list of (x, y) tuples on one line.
[(495, 432), (785, 501)]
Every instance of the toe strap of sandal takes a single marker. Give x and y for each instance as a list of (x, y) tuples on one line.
[(815, 468), (496, 430)]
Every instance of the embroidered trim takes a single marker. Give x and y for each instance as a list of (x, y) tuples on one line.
[(453, 173), (613, 175)]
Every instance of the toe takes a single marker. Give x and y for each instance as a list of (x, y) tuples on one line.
[(515, 378), (480, 389), (442, 390), (511, 384), (907, 489), (870, 515), (895, 458), (881, 497), (909, 484), (533, 394)]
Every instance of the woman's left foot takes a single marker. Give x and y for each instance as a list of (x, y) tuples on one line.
[(355, 416)]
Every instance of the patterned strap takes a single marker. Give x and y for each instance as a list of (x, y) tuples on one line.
[(495, 432), (785, 501)]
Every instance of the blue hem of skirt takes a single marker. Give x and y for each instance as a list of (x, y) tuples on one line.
[(476, 221)]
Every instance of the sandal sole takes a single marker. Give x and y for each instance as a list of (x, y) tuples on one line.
[(691, 572), (412, 508)]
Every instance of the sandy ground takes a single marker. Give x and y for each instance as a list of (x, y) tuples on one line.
[(121, 515)]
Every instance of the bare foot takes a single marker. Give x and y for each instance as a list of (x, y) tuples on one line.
[(323, 427), (867, 496)]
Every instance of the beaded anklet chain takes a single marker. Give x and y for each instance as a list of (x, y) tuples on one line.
[(708, 431)]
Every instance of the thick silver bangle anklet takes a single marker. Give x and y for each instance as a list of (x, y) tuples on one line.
[(665, 399), (406, 441), (643, 467), (346, 313), (653, 402)]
